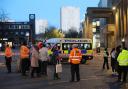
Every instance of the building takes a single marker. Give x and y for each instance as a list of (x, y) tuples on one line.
[(114, 28), (70, 18), (105, 3), (120, 8), (104, 26), (41, 26), (14, 33), (93, 14)]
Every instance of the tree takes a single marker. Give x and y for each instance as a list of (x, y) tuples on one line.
[(52, 32), (72, 33), (3, 16)]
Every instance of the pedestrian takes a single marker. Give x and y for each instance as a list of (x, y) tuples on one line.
[(55, 60), (34, 61), (24, 55), (40, 45), (118, 50), (75, 59), (43, 57), (8, 57), (113, 60), (106, 54), (123, 65)]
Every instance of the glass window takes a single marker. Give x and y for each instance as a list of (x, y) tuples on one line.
[(16, 27), (16, 33), (22, 33), (87, 46)]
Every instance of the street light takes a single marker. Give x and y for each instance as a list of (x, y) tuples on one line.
[(27, 35), (113, 8), (123, 42)]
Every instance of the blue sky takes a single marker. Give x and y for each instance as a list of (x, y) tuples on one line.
[(44, 9)]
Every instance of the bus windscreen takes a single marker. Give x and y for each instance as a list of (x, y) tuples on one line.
[(67, 46)]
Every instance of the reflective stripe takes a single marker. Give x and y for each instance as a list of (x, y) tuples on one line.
[(75, 59), (75, 56)]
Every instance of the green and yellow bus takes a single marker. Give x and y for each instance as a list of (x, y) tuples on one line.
[(65, 45)]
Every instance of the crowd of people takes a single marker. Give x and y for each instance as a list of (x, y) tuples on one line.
[(35, 60), (119, 62)]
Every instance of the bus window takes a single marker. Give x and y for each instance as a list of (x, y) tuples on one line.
[(81, 46), (68, 46), (64, 46), (87, 46), (58, 44)]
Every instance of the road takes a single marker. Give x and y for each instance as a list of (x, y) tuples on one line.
[(92, 77)]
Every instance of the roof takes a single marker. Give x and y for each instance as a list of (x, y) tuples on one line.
[(53, 40)]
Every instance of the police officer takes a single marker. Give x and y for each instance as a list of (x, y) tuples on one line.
[(75, 59), (123, 65), (106, 59)]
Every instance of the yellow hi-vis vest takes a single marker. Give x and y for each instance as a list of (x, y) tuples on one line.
[(123, 58), (75, 56)]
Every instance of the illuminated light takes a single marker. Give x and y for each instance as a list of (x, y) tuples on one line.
[(27, 34), (93, 24), (123, 40), (93, 29), (97, 23), (113, 8), (0, 45), (5, 39)]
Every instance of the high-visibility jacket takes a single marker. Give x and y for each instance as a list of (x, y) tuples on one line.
[(24, 52), (123, 58), (8, 52), (106, 54), (75, 56)]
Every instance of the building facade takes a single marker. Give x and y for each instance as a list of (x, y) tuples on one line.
[(15, 33), (114, 29), (70, 18), (121, 21), (41, 26)]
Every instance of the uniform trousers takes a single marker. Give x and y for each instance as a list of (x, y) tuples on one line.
[(122, 70), (75, 71)]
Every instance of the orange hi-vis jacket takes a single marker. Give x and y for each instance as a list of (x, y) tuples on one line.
[(24, 52), (8, 52), (75, 56)]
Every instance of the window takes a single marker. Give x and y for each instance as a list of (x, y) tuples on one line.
[(16, 33), (22, 33), (87, 46), (16, 27)]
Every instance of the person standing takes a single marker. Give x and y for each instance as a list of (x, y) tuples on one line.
[(75, 59), (8, 57), (106, 54), (24, 55), (113, 60), (43, 57), (123, 64), (118, 50), (34, 61), (55, 60)]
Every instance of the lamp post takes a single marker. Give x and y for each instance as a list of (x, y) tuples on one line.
[(27, 35), (123, 43)]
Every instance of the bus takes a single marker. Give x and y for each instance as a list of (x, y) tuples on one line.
[(65, 45)]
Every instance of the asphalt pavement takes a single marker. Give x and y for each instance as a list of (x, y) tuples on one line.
[(92, 77)]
